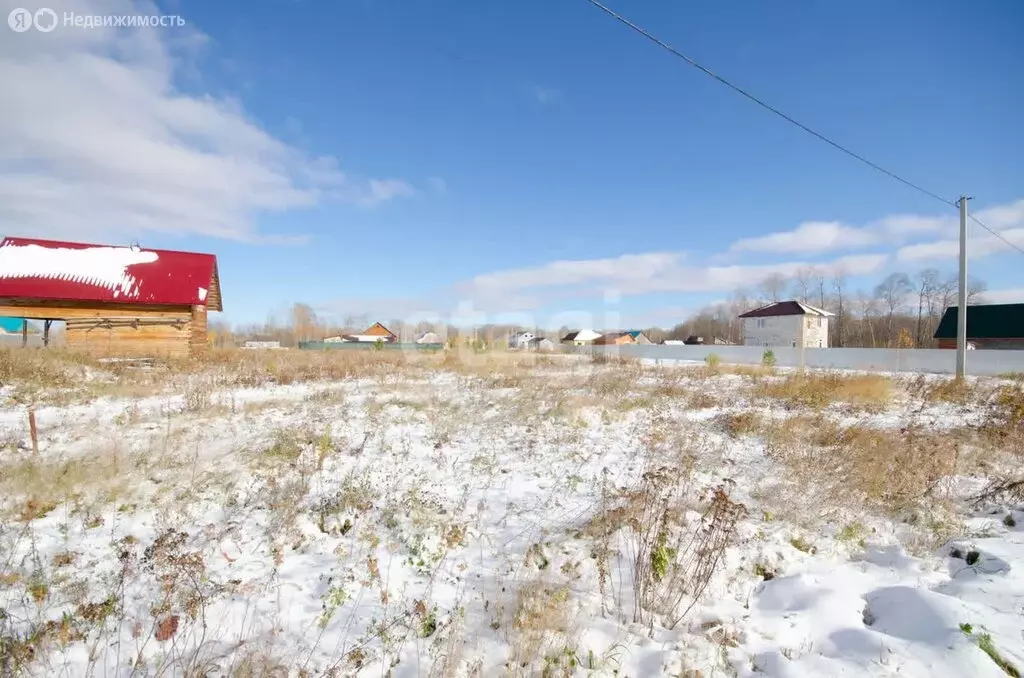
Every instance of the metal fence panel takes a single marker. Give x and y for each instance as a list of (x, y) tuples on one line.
[(367, 346), (923, 360)]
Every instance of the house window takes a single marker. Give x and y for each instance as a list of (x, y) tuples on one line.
[(809, 323), (794, 344), (760, 323), (819, 323)]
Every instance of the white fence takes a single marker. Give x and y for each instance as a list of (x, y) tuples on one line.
[(925, 360)]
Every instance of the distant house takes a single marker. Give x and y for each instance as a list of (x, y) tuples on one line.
[(786, 323), (521, 339), (254, 345), (989, 326), (614, 339), (540, 344), (580, 337), (429, 338), (694, 340), (639, 337), (376, 332)]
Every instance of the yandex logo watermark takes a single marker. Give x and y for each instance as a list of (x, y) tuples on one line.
[(45, 20)]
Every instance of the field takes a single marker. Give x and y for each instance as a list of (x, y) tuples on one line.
[(463, 514)]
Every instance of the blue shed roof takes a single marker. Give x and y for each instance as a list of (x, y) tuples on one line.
[(11, 325)]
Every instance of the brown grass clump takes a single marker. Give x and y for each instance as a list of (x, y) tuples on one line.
[(35, 508), (819, 390), (1003, 437), (810, 429), (702, 400), (744, 423), (671, 387), (1006, 411), (956, 391), (613, 360), (32, 488), (540, 624), (755, 372), (888, 470), (613, 383)]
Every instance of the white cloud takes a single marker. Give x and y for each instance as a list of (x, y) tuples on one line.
[(617, 270), (638, 274), (96, 138), (572, 285), (1009, 296), (829, 236), (809, 237), (1006, 220)]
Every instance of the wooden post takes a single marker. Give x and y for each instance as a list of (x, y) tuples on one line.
[(32, 430), (24, 332), (46, 332)]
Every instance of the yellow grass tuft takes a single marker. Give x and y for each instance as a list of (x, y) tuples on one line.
[(819, 390)]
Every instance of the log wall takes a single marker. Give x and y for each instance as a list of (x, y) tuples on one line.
[(121, 329)]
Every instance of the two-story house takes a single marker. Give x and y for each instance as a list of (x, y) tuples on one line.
[(521, 339), (786, 323)]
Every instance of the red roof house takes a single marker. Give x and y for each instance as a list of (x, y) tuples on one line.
[(113, 298)]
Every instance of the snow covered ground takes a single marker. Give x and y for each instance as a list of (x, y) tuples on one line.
[(551, 517)]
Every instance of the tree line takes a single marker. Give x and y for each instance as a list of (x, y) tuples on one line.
[(901, 310)]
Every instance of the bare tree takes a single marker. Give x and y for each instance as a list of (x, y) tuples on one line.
[(838, 288), (867, 307), (947, 290), (739, 304), (802, 282), (927, 282), (772, 288), (975, 289), (819, 281), (892, 292), (303, 322)]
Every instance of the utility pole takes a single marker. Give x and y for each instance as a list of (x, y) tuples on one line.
[(961, 308)]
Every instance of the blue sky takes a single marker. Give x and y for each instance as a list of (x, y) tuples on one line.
[(391, 157)]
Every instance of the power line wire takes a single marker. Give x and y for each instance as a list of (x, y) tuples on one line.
[(707, 71), (995, 233), (623, 20)]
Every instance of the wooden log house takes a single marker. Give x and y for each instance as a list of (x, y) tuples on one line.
[(114, 300)]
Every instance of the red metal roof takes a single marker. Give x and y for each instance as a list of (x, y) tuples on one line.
[(72, 271)]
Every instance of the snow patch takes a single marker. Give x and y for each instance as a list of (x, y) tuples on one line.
[(105, 267)]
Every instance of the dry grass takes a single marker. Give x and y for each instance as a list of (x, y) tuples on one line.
[(955, 391), (666, 533), (888, 471), (540, 623), (743, 423), (31, 489), (61, 377), (819, 390), (754, 372)]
